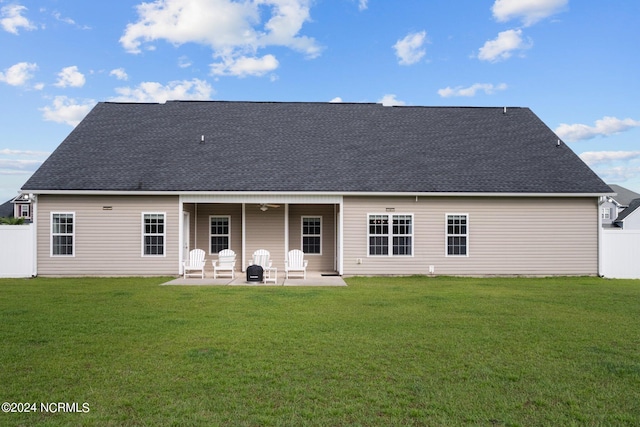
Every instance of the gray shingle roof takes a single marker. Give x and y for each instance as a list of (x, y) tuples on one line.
[(314, 147), (624, 196), (633, 206)]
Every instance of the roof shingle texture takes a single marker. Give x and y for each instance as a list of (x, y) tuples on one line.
[(313, 147)]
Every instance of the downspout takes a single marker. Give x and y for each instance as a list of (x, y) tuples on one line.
[(180, 234), (601, 201), (34, 236), (341, 236)]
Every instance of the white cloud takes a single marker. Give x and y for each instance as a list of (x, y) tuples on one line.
[(363, 4), (18, 163), (30, 153), (337, 99), (155, 92), (390, 100), (614, 166), (12, 19), (603, 127), (529, 11), (487, 88), (119, 73), (244, 66), (18, 74), (593, 158), (67, 110), (18, 166), (409, 50), (70, 76), (234, 30), (503, 46), (184, 62)]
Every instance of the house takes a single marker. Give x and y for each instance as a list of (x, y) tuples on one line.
[(629, 218), (362, 189), (18, 207), (615, 205)]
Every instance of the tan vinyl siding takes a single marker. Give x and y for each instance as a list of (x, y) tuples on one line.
[(108, 242), (324, 262), (201, 230), (507, 236), (265, 230)]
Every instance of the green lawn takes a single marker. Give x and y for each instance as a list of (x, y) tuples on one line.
[(382, 351)]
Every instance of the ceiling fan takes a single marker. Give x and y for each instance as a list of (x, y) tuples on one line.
[(265, 206)]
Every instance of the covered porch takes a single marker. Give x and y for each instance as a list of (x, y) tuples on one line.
[(277, 223)]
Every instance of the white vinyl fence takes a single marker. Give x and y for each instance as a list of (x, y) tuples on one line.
[(16, 250), (621, 254)]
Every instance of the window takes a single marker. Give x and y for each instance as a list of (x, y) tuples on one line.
[(153, 234), (457, 234), (312, 235), (62, 234), (606, 213), (218, 233), (24, 211), (396, 240)]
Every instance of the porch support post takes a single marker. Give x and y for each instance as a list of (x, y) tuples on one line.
[(244, 237), (286, 230)]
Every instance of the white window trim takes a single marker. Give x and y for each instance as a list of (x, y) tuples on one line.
[(606, 213), (23, 208), (228, 217), (390, 215), (73, 235), (446, 235), (164, 235), (302, 235)]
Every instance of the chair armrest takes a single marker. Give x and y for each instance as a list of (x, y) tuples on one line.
[(306, 262), (214, 263)]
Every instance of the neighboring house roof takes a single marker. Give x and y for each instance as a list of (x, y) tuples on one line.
[(313, 147), (633, 205), (624, 196), (6, 209)]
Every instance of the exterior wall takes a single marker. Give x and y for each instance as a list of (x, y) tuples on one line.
[(632, 222), (507, 236), (200, 229), (265, 230), (108, 242), (326, 261)]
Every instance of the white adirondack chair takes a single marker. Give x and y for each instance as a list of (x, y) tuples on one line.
[(195, 263), (226, 262), (295, 262), (262, 257)]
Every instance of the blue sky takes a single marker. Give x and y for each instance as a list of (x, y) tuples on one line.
[(574, 63)]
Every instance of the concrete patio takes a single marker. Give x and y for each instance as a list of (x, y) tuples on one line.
[(313, 279)]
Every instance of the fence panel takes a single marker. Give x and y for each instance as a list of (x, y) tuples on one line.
[(621, 254), (16, 250)]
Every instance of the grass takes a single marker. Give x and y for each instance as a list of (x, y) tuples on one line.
[(383, 351)]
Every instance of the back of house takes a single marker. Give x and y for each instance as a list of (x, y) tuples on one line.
[(360, 188)]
